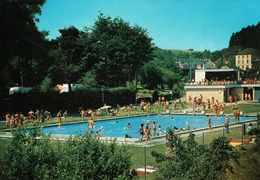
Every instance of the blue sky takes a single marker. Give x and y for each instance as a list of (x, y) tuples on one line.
[(172, 24)]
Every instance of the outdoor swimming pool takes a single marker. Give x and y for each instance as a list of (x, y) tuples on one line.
[(117, 127)]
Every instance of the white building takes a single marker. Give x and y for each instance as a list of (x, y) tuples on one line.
[(220, 84)]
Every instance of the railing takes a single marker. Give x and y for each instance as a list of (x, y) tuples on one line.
[(220, 83)]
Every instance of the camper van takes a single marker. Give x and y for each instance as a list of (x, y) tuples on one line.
[(19, 90)]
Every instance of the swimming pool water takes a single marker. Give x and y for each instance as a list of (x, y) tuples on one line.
[(117, 127)]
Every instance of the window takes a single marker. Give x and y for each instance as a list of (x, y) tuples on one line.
[(242, 57), (238, 57), (242, 61), (238, 62), (247, 61)]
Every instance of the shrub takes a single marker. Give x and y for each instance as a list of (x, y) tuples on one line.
[(185, 159), (34, 155)]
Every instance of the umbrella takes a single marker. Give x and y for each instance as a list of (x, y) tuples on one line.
[(105, 107)]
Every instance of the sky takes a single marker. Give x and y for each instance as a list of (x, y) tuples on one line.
[(172, 24)]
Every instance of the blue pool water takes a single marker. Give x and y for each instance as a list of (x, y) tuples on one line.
[(117, 127)]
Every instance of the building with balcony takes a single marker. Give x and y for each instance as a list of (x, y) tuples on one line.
[(220, 84)]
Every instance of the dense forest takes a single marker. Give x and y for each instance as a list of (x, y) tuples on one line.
[(111, 53), (248, 37)]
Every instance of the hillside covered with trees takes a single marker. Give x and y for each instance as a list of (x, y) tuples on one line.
[(248, 37)]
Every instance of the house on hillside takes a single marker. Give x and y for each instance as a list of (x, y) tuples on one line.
[(208, 64), (248, 58), (195, 64)]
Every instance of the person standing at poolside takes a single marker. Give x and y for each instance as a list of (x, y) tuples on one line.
[(235, 113), (59, 117), (208, 119), (245, 97), (227, 124), (83, 114), (90, 125), (147, 132), (209, 105), (201, 97), (141, 132), (230, 99), (190, 101), (148, 108), (180, 104), (159, 130), (31, 115), (154, 128), (156, 104), (212, 100), (65, 115), (187, 126), (236, 99), (238, 115)]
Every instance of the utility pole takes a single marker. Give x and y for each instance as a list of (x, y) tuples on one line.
[(190, 50)]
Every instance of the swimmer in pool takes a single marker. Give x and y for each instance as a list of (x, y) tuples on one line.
[(101, 129), (128, 125)]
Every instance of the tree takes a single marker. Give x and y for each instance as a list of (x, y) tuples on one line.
[(248, 37), (160, 72), (88, 80), (151, 75), (46, 85), (20, 38), (66, 57), (117, 50)]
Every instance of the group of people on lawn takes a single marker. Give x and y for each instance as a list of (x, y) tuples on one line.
[(14, 119)]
